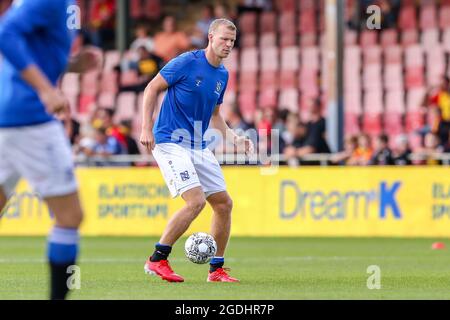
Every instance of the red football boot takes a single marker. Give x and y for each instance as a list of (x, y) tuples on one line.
[(163, 270), (221, 275)]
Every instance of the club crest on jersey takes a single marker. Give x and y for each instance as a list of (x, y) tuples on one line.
[(198, 81), (218, 87)]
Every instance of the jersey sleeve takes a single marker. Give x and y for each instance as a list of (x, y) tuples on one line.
[(220, 100), (21, 20), (176, 69)]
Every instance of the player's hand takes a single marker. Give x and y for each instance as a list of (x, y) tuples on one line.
[(246, 144), (54, 101), (147, 139)]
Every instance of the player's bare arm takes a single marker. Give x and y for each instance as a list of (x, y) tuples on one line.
[(241, 142), (88, 59), (157, 85), (52, 98)]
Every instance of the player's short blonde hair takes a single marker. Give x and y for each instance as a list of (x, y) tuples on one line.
[(221, 22)]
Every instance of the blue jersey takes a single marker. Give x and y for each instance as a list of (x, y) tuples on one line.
[(195, 89), (31, 32)]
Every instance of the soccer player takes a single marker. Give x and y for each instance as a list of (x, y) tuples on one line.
[(196, 83), (35, 42)]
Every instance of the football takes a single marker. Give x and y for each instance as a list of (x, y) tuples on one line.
[(200, 247)]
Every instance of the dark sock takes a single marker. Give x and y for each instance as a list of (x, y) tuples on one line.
[(59, 278), (216, 263), (62, 253), (161, 252)]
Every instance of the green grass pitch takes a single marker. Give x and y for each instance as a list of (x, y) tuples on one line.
[(269, 268)]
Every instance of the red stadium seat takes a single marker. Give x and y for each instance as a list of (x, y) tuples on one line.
[(129, 78), (287, 5), (248, 40), (393, 77), (393, 124), (350, 37), (308, 40), (395, 102), (410, 37), (249, 60), (307, 23), (286, 23), (435, 63), (414, 77), (247, 103), (268, 22), (310, 58), (248, 81), (126, 107), (351, 124), (269, 59), (288, 40), (231, 63), (86, 104), (414, 99), (414, 121), (446, 40), (232, 81), (112, 59), (135, 8), (430, 37), (268, 80), (393, 54), (109, 82), (106, 100), (407, 18), (372, 77), (428, 17), (268, 98), (414, 56), (70, 84), (372, 123), (352, 103), (247, 23), (444, 17), (290, 58), (267, 40), (372, 55), (288, 99), (152, 9), (373, 101), (309, 82), (389, 37), (90, 83), (368, 38)]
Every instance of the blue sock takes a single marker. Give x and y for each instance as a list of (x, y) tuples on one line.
[(216, 263), (62, 252)]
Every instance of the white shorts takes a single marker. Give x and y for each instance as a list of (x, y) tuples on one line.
[(42, 155), (184, 169)]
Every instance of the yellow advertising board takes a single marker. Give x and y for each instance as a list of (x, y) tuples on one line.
[(319, 201)]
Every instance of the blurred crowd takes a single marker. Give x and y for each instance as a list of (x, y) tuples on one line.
[(159, 38)]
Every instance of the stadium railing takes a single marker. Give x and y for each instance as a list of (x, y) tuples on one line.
[(237, 159)]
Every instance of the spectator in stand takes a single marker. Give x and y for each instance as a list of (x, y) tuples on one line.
[(345, 157), (147, 67), (431, 149), (105, 146), (143, 39), (363, 153), (200, 34), (298, 135), (102, 23), (315, 139), (169, 42), (382, 154), (440, 97), (126, 128), (402, 151), (437, 125), (254, 6), (279, 127), (104, 119), (71, 126)]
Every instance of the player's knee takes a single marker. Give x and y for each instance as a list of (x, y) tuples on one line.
[(71, 219), (196, 205), (224, 207)]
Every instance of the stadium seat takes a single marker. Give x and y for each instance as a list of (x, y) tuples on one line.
[(232, 81), (287, 5), (248, 40), (352, 103), (446, 40), (268, 98), (109, 82), (268, 80), (307, 4), (368, 38), (414, 121), (112, 59), (268, 22), (288, 40), (87, 103), (393, 77), (247, 23), (288, 99), (393, 124), (410, 37), (106, 99), (372, 55), (350, 37), (309, 82), (395, 102), (414, 77), (389, 37), (351, 124), (371, 123), (414, 56), (232, 62), (248, 81), (414, 99), (310, 58), (70, 84), (435, 64), (267, 40), (247, 103), (430, 38), (125, 107), (373, 101), (135, 8), (152, 9), (308, 40), (307, 23), (269, 59), (129, 78), (290, 58), (415, 142), (90, 83), (372, 77), (444, 17), (393, 54), (428, 17), (407, 18), (286, 23)]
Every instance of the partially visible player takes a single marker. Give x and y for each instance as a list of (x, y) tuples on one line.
[(196, 83), (35, 42)]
